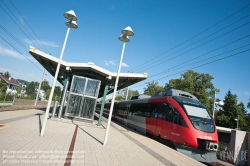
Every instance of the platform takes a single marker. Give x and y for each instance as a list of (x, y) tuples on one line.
[(78, 143)]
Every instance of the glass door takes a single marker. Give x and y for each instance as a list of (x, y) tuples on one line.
[(82, 97)]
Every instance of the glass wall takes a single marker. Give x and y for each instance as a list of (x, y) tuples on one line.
[(82, 97)]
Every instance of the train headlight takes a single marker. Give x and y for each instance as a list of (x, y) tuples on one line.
[(211, 146)]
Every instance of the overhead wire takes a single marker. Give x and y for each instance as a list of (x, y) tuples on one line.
[(216, 49), (29, 26), (20, 53), (19, 27), (195, 67), (198, 46), (150, 61), (20, 43), (11, 35), (23, 55), (172, 69), (198, 41)]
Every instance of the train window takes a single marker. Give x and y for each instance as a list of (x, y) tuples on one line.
[(121, 112), (178, 119), (143, 110), (151, 112), (161, 111), (169, 113), (135, 109), (146, 109)]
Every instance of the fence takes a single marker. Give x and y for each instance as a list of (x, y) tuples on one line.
[(248, 149), (23, 102)]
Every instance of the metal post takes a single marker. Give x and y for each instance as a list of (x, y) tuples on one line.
[(13, 99), (214, 102), (127, 93), (5, 97), (54, 109), (113, 98), (63, 98), (103, 103), (238, 123), (54, 83), (39, 87)]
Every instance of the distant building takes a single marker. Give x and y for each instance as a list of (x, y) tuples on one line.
[(41, 94), (11, 84), (23, 91)]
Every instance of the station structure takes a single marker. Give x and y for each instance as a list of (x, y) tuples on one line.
[(85, 83)]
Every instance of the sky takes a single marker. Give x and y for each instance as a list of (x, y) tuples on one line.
[(171, 37)]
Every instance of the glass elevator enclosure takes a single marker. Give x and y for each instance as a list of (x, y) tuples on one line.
[(82, 97)]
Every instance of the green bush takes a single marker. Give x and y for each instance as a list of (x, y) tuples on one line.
[(8, 97)]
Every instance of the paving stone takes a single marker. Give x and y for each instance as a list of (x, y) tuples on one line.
[(123, 148)]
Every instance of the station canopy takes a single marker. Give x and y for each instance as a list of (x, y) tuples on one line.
[(89, 69)]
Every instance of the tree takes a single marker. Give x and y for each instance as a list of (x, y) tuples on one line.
[(231, 110), (45, 85), (3, 86), (31, 89), (132, 93), (248, 104), (47, 93), (7, 74), (119, 97), (243, 125), (153, 88), (200, 85), (57, 93), (123, 93), (248, 122)]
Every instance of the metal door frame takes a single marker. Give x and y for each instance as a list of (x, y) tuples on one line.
[(83, 96)]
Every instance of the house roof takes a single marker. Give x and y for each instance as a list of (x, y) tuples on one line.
[(89, 69), (9, 80)]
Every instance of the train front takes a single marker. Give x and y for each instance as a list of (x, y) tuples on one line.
[(200, 138)]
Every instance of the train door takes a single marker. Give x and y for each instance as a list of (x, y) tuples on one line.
[(177, 126), (161, 120), (151, 120), (125, 119)]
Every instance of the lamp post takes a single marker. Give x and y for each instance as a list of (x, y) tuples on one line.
[(38, 90), (220, 103), (237, 119), (70, 15), (124, 37)]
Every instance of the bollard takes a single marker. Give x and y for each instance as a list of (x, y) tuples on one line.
[(54, 109)]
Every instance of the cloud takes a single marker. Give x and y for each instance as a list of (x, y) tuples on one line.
[(10, 53), (12, 72), (40, 43), (109, 62), (125, 65), (247, 93), (21, 74)]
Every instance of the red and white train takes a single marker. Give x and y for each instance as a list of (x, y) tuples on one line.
[(177, 116)]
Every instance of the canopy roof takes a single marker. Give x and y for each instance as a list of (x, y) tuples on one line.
[(90, 70)]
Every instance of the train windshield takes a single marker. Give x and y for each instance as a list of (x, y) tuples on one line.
[(197, 113)]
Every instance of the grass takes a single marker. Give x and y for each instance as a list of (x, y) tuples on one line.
[(6, 101)]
